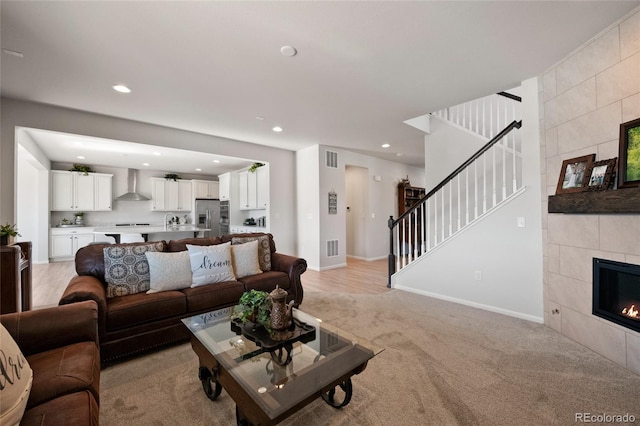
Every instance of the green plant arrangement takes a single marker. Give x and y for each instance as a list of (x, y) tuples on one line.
[(172, 176), (254, 166), (81, 168), (7, 231), (254, 306)]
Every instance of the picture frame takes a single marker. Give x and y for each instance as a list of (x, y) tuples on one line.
[(629, 155), (600, 176), (573, 175)]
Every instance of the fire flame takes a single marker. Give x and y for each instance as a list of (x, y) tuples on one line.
[(631, 312)]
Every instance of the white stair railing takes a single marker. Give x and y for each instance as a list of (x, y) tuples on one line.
[(485, 116), (486, 180)]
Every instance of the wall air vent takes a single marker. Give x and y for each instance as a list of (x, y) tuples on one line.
[(332, 159), (332, 248)]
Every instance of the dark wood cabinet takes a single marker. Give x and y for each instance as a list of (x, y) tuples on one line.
[(408, 196), (15, 277), (411, 233)]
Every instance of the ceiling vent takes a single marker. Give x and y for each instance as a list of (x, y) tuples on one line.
[(132, 188)]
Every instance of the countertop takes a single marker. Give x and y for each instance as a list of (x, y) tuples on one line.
[(146, 229)]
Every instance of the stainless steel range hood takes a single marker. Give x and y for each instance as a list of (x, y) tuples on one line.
[(132, 188)]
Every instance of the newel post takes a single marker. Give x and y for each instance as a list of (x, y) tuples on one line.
[(392, 257)]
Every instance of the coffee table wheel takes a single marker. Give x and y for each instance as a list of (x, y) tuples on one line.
[(345, 395), (282, 356), (240, 419), (210, 386)]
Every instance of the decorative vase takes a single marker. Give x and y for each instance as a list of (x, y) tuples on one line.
[(4, 240)]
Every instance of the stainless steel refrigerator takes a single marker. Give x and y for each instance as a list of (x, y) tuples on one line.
[(208, 216)]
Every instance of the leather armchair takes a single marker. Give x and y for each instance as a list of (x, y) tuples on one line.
[(61, 346)]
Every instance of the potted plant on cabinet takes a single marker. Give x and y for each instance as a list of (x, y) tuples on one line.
[(7, 231)]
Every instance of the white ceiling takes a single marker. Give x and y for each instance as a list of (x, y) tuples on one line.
[(362, 68), (66, 148)]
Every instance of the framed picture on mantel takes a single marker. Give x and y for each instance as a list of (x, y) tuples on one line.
[(573, 175), (629, 155), (600, 176)]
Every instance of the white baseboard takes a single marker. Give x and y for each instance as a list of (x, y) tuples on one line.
[(532, 318)]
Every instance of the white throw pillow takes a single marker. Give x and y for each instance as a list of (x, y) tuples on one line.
[(210, 264), (17, 377), (169, 271), (245, 259)]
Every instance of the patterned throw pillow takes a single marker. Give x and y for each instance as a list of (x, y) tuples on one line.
[(245, 259), (16, 380), (210, 264), (126, 269), (264, 249)]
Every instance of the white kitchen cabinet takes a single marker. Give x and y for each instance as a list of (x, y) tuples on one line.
[(74, 191), (253, 189), (169, 195), (245, 181), (103, 192), (205, 188), (262, 185), (224, 188), (64, 243)]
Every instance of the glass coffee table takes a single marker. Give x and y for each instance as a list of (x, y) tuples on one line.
[(270, 380)]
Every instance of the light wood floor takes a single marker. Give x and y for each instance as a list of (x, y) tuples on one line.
[(359, 276)]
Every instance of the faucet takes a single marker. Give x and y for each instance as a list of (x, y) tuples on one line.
[(165, 219)]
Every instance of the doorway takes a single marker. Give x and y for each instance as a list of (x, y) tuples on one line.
[(357, 194)]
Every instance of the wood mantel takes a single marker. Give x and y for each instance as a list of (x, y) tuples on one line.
[(621, 201)]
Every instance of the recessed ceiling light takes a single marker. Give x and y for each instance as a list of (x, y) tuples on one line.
[(145, 164), (157, 153), (385, 145), (259, 118), (198, 170), (288, 51), (80, 157), (216, 161), (277, 129), (121, 88)]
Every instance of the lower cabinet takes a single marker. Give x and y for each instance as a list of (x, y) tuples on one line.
[(65, 245)]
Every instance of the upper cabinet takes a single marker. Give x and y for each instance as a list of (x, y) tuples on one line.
[(74, 191), (224, 181), (253, 189), (170, 195), (262, 183), (205, 188)]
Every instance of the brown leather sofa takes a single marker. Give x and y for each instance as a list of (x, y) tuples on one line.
[(140, 322), (61, 347)]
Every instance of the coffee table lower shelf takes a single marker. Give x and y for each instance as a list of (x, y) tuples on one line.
[(215, 377)]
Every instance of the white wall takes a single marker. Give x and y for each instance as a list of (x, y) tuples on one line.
[(316, 226), (509, 258), (307, 190), (444, 155), (32, 221), (16, 113)]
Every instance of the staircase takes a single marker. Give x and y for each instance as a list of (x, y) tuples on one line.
[(488, 179)]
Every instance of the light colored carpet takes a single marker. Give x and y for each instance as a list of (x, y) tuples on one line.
[(443, 364)]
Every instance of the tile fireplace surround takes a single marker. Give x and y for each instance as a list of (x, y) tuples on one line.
[(584, 98)]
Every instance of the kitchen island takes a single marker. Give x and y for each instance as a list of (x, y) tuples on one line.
[(133, 233)]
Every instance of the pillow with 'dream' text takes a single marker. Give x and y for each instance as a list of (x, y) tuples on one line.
[(210, 264)]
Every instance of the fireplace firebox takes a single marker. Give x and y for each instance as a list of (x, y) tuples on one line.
[(616, 292)]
